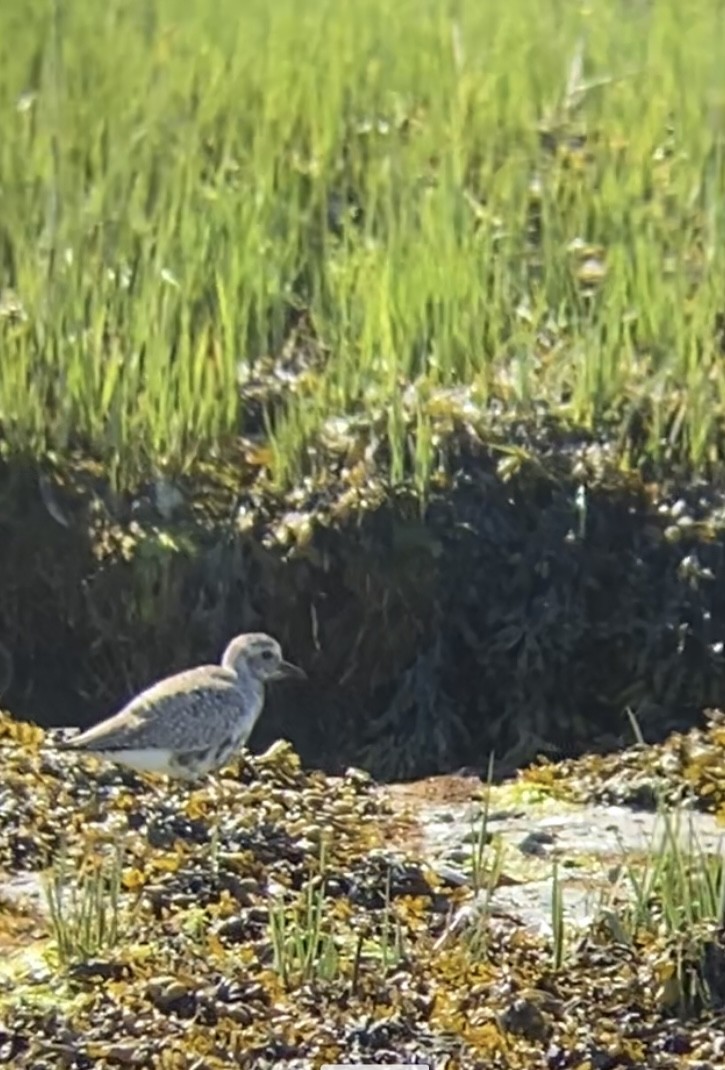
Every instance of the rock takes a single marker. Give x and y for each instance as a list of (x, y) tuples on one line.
[(524, 1018)]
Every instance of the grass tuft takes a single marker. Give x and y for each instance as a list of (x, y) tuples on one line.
[(85, 911)]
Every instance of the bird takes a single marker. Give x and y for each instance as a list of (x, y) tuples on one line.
[(190, 724)]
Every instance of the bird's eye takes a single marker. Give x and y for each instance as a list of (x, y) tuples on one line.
[(267, 655)]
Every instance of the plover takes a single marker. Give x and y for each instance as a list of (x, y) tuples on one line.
[(190, 724)]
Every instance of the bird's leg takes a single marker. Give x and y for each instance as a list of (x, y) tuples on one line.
[(214, 839), (214, 846)]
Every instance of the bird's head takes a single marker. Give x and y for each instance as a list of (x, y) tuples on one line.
[(261, 656)]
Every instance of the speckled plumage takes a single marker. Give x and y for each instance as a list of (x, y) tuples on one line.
[(191, 723)]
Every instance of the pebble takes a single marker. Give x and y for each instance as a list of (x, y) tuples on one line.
[(536, 842), (524, 1019), (166, 991)]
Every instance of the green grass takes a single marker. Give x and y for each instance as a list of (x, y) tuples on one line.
[(84, 910), (666, 904), (675, 894), (167, 173), (309, 943)]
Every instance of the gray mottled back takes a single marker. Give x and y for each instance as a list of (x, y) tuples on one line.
[(188, 711)]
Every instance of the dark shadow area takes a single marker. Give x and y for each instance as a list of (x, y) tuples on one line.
[(538, 595)]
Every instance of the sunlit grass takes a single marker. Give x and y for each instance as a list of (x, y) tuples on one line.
[(84, 910), (525, 198), (309, 942), (665, 904)]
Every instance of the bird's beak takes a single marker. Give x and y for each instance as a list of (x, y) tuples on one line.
[(288, 671)]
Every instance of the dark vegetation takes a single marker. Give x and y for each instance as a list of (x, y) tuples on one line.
[(534, 596)]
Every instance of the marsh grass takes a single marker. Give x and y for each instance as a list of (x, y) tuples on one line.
[(483, 874), (675, 888), (85, 911), (675, 893), (670, 899), (304, 946), (526, 199), (558, 927), (304, 949), (667, 902), (310, 943)]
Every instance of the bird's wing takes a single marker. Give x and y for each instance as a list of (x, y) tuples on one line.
[(179, 709)]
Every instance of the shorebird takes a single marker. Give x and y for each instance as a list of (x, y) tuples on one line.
[(190, 724)]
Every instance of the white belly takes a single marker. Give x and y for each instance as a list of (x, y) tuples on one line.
[(182, 765), (156, 760)]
